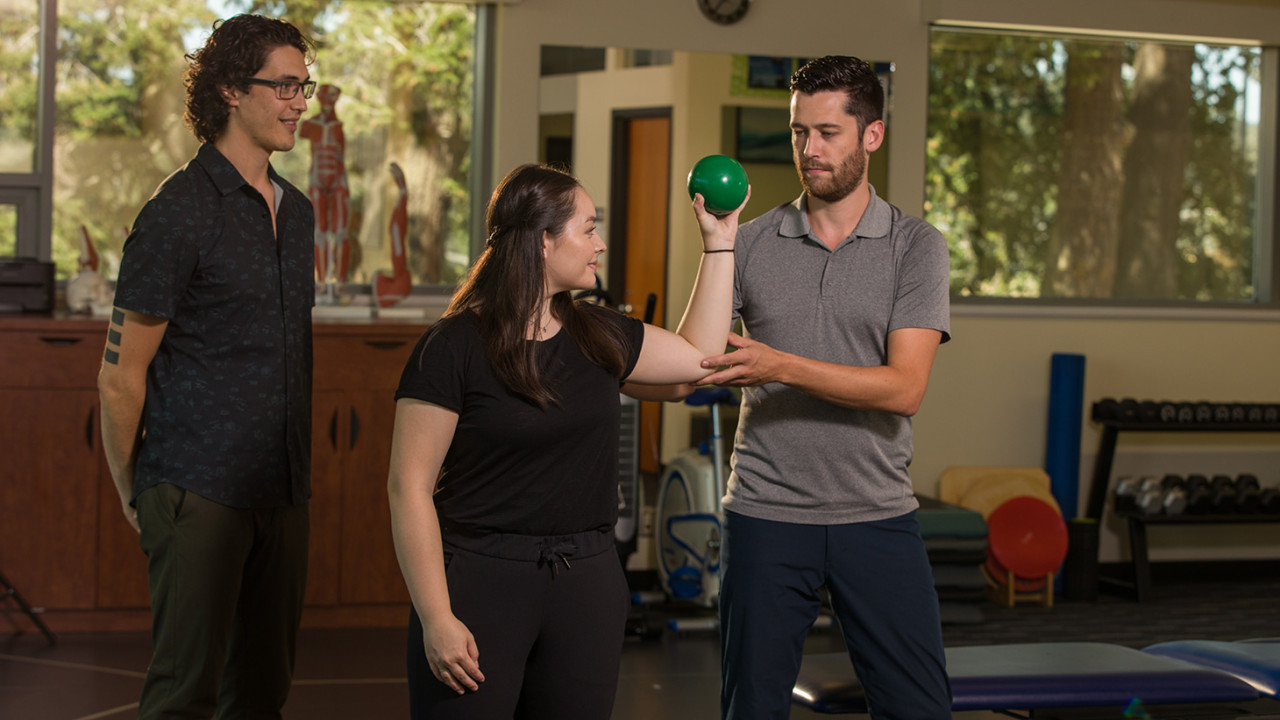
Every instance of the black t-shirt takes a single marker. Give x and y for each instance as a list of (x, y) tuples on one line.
[(228, 407), (514, 467)]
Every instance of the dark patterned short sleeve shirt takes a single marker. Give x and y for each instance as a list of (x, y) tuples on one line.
[(228, 405)]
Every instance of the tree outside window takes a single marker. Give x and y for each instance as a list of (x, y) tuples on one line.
[(406, 72), (1085, 168)]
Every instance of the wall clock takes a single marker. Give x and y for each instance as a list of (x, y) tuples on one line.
[(724, 12)]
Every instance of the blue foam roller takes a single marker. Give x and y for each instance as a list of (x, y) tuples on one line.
[(1062, 446)]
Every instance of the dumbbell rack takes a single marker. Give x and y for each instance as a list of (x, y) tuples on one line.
[(1137, 522)]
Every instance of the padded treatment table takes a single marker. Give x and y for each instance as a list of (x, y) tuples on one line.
[(956, 540), (941, 519), (1256, 662), (1036, 675)]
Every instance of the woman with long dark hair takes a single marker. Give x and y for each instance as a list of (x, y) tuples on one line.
[(504, 462)]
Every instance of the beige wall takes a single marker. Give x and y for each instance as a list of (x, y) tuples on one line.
[(988, 398)]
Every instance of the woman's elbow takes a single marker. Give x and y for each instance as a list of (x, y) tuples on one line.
[(675, 392), (396, 490)]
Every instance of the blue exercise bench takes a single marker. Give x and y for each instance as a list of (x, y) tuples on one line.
[(1256, 662), (1038, 676)]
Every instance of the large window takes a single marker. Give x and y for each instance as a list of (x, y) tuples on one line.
[(22, 179), (1095, 169), (19, 70), (405, 78), (8, 230)]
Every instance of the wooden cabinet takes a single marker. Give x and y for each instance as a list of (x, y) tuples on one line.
[(355, 381), (63, 541), (52, 464), (49, 495)]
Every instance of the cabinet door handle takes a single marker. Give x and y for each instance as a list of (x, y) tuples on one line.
[(88, 428), (333, 430), (60, 341), (385, 344), (355, 427)]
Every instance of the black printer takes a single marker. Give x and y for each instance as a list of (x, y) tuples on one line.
[(26, 285)]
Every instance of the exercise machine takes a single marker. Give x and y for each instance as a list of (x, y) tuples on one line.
[(688, 517)]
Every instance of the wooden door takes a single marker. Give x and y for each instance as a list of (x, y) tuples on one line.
[(642, 186)]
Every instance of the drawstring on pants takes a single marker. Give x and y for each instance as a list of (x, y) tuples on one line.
[(557, 552)]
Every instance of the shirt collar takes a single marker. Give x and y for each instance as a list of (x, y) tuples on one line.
[(226, 178), (875, 222)]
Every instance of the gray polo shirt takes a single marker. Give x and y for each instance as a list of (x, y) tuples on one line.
[(799, 459)]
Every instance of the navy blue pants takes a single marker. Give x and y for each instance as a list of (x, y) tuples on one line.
[(881, 587)]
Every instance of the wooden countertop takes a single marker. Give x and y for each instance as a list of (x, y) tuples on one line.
[(78, 323)]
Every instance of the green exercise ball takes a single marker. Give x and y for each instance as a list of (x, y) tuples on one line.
[(722, 182)]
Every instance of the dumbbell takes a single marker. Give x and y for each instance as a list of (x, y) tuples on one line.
[(1199, 495), (1223, 494), (1204, 412), (1248, 494), (1174, 501), (1271, 413), (1269, 500), (1149, 411), (1127, 410), (1125, 496), (1106, 409), (1186, 412), (1221, 412), (1151, 493)]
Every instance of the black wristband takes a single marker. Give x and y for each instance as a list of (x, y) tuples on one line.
[(704, 252)]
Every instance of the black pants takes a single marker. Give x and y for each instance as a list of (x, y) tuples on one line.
[(226, 597), (549, 633)]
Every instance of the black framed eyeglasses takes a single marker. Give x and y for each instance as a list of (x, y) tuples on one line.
[(287, 89)]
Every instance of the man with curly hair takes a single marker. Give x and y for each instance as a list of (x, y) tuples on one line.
[(206, 385)]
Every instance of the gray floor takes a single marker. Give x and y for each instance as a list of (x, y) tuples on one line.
[(341, 674), (359, 674)]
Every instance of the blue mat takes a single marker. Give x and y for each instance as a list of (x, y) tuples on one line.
[(1036, 675), (1256, 662)]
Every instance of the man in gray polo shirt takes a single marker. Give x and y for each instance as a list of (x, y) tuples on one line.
[(844, 301)]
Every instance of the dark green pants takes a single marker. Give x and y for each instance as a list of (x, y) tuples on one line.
[(226, 597)]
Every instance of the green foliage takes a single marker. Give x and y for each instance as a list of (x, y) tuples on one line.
[(995, 132), (8, 231), (1217, 232), (995, 115), (404, 68), (110, 53), (19, 52)]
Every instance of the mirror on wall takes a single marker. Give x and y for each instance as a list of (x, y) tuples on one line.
[(734, 105), (629, 124)]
